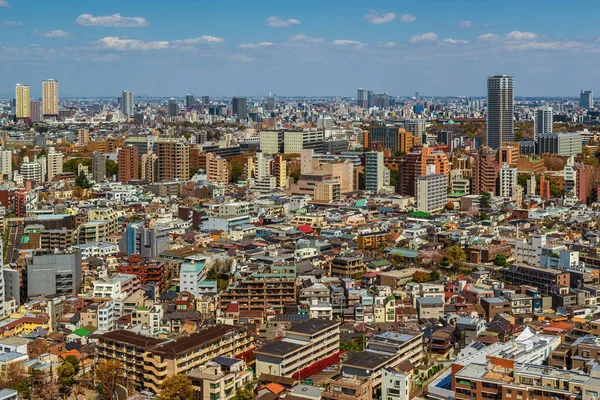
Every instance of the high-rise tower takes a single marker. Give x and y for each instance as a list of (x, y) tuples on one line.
[(500, 124)]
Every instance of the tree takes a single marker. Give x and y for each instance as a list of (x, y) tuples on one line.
[(109, 373), (434, 275), (456, 255), (66, 377), (194, 171), (74, 361), (486, 200), (14, 375), (237, 172), (42, 386), (82, 181), (246, 393), (112, 168), (393, 177), (500, 260), (449, 206), (176, 387), (72, 164), (420, 276), (295, 174)]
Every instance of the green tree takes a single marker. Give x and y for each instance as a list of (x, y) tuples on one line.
[(66, 377), (486, 200), (237, 172), (112, 168), (72, 164), (246, 393), (82, 181), (500, 260), (456, 255), (176, 387), (434, 275), (393, 177), (295, 174), (194, 171), (420, 276)]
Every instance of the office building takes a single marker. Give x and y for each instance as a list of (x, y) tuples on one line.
[(98, 167), (173, 161), (22, 110), (271, 142), (190, 101), (127, 105), (147, 242), (362, 98), (382, 100), (508, 180), (31, 171), (53, 273), (270, 103), (50, 98), (500, 125), (205, 100), (563, 144), (417, 127), (295, 141), (542, 122), (432, 191), (304, 344), (374, 171), (55, 163), (395, 139), (127, 160), (586, 99), (173, 107), (35, 110), (238, 107)]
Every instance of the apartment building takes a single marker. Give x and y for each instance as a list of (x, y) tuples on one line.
[(529, 250), (347, 388), (303, 345), (221, 378), (149, 361), (345, 266), (173, 161), (269, 289), (543, 278)]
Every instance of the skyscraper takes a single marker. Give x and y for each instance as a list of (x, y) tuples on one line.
[(127, 105), (382, 100), (270, 103), (500, 124), (22, 110), (127, 160), (173, 107), (362, 98), (50, 98), (542, 122), (238, 107), (98, 167), (173, 161), (205, 100), (417, 127), (35, 110), (370, 98), (190, 101), (586, 99)]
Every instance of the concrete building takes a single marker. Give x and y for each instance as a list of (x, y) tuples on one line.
[(295, 141), (432, 191), (22, 100), (127, 160), (98, 167), (6, 163), (374, 171), (127, 104), (508, 181), (191, 274), (304, 344), (545, 279), (563, 144), (239, 108), (543, 120), (500, 109), (395, 385), (148, 242), (529, 250), (417, 127), (586, 99), (395, 139), (173, 161), (55, 163), (50, 98), (53, 273)]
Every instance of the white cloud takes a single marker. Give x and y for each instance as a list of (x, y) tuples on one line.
[(376, 17), (544, 45), (426, 37), (199, 40), (455, 41), (466, 24), (241, 58), (11, 23), (119, 44), (255, 45), (56, 34), (276, 22), (4, 3), (390, 44), (407, 18), (116, 43), (348, 43), (518, 35), (306, 39), (111, 21), (487, 36)]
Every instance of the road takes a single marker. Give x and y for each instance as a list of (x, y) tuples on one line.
[(15, 233)]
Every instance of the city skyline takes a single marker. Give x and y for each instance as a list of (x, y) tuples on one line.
[(317, 49)]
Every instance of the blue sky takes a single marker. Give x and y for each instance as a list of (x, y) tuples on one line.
[(325, 47)]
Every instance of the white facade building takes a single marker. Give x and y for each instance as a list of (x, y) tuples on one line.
[(508, 180), (542, 121), (432, 191), (529, 250)]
